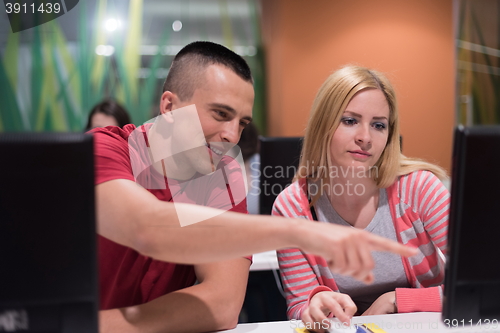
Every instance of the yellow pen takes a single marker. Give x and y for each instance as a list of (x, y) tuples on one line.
[(373, 328)]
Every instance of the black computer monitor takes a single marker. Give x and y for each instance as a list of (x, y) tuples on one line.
[(48, 268), (279, 160), (472, 279)]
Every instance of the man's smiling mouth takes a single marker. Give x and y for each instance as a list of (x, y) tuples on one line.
[(214, 150)]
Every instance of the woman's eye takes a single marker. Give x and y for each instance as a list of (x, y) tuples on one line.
[(349, 121), (380, 126)]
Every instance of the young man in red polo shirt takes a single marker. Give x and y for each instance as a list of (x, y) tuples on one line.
[(138, 292)]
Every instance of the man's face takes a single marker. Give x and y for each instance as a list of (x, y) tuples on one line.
[(224, 103)]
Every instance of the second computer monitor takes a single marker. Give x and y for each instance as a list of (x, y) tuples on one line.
[(279, 158), (48, 268), (472, 279)]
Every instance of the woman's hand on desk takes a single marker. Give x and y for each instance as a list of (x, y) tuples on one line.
[(384, 304), (325, 303)]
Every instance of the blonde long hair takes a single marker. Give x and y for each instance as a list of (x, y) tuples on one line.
[(326, 113)]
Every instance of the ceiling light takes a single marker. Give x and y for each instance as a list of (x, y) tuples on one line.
[(177, 25), (111, 24), (104, 50)]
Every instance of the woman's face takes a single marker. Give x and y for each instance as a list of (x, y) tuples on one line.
[(361, 137), (102, 120)]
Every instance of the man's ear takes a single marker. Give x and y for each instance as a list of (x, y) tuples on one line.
[(167, 102)]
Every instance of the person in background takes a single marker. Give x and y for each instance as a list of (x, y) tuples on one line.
[(352, 173), (107, 113)]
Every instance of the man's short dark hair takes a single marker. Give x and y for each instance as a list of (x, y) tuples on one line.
[(184, 75)]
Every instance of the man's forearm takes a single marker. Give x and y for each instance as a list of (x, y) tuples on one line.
[(180, 311), (225, 236), (133, 217)]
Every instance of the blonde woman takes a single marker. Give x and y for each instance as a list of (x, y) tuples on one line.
[(352, 173)]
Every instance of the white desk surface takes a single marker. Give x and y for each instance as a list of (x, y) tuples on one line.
[(264, 261), (419, 322)]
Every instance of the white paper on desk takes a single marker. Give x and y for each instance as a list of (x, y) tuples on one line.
[(339, 327), (348, 329)]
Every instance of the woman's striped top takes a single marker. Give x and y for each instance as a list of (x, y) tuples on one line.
[(419, 205)]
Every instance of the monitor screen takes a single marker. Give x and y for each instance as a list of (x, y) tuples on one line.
[(279, 160), (472, 279), (47, 233)]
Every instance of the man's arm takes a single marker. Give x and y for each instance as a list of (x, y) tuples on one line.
[(213, 304), (129, 215)]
